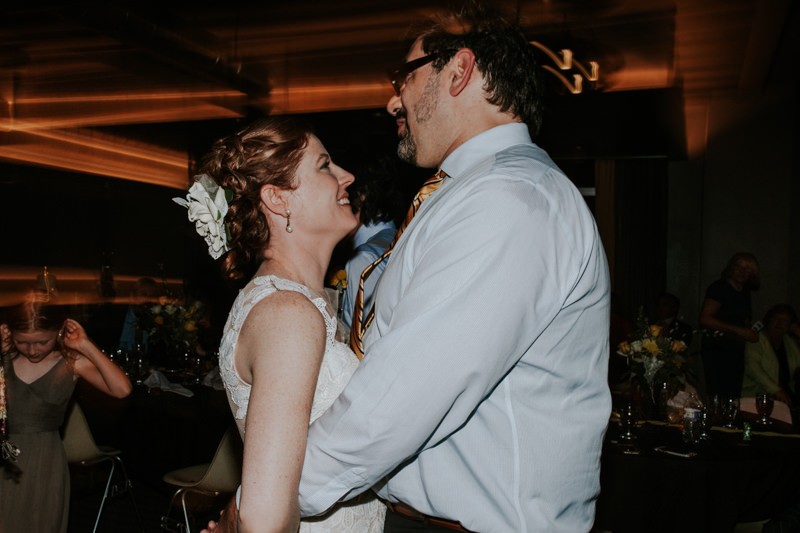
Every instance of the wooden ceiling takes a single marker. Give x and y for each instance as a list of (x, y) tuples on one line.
[(73, 76)]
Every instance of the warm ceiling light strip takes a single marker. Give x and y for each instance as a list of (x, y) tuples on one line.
[(45, 154), (66, 273), (94, 153), (115, 145), (127, 97), (85, 118), (73, 112), (328, 97)]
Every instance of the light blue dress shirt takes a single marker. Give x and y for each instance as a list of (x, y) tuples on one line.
[(370, 241), (483, 395)]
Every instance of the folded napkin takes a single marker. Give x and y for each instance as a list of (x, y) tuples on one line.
[(159, 380), (679, 400), (213, 379)]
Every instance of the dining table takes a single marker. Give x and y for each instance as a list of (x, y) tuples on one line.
[(657, 483), (158, 429)]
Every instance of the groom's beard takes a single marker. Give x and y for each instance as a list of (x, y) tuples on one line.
[(423, 111), (407, 148)]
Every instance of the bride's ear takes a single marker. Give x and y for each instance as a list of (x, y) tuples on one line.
[(274, 199)]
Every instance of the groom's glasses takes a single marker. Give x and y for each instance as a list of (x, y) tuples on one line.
[(399, 75)]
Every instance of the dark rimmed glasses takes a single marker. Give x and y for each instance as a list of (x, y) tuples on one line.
[(398, 76)]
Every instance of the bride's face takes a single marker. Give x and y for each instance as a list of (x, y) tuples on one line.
[(321, 203)]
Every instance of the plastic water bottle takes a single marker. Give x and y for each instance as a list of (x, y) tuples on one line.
[(692, 428)]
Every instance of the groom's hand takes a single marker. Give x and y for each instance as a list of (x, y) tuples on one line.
[(228, 520)]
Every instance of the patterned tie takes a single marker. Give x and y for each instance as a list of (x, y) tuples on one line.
[(359, 325)]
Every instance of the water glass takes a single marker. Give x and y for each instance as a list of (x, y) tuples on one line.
[(730, 412), (706, 420), (627, 422), (764, 405)]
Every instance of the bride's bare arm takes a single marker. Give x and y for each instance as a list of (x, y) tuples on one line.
[(279, 352)]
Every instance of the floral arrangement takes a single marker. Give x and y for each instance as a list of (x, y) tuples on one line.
[(171, 324), (338, 280), (207, 205), (654, 357)]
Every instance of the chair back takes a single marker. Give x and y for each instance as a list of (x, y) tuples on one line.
[(77, 438), (224, 473)]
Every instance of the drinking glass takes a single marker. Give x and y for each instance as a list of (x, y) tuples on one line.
[(705, 424), (730, 411), (627, 422), (764, 405)]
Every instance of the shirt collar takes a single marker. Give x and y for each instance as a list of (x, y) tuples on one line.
[(489, 142), (366, 231)]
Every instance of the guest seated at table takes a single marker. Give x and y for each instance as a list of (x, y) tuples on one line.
[(146, 291), (667, 316), (772, 363), (44, 353)]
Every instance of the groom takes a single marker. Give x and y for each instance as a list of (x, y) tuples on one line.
[(482, 401)]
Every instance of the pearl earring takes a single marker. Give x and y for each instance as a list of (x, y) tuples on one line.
[(289, 227)]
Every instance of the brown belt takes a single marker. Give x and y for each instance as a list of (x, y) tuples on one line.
[(409, 512)]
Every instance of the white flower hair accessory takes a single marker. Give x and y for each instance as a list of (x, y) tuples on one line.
[(207, 205)]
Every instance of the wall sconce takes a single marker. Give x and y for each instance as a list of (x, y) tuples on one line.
[(567, 63)]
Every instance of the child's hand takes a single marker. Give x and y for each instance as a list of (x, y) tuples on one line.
[(73, 334)]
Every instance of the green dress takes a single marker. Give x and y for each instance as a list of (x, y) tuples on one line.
[(39, 500)]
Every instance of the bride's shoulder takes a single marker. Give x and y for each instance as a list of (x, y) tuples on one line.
[(285, 309)]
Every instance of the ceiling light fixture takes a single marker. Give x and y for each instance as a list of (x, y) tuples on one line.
[(565, 63)]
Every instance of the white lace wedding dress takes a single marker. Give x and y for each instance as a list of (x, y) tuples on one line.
[(338, 364)]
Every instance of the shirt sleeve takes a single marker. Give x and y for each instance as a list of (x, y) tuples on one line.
[(755, 353), (487, 278)]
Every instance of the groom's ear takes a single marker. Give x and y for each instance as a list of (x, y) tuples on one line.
[(274, 199)]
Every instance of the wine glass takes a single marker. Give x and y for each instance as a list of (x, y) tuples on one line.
[(627, 422), (764, 405), (705, 424), (730, 411)]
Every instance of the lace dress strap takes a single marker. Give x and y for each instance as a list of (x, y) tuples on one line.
[(255, 291)]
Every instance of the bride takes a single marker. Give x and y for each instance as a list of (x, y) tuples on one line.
[(284, 205)]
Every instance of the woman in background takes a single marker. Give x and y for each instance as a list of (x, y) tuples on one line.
[(44, 354), (726, 319), (771, 364)]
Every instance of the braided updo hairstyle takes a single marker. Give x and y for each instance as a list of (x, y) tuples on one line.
[(266, 152)]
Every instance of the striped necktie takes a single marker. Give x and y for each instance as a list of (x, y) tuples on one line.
[(359, 325)]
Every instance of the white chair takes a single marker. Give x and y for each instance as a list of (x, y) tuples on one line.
[(222, 475), (780, 411), (81, 449)]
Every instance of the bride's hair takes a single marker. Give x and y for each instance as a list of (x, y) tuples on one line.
[(266, 152)]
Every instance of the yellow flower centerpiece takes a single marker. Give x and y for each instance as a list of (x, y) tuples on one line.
[(172, 328), (654, 358)]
